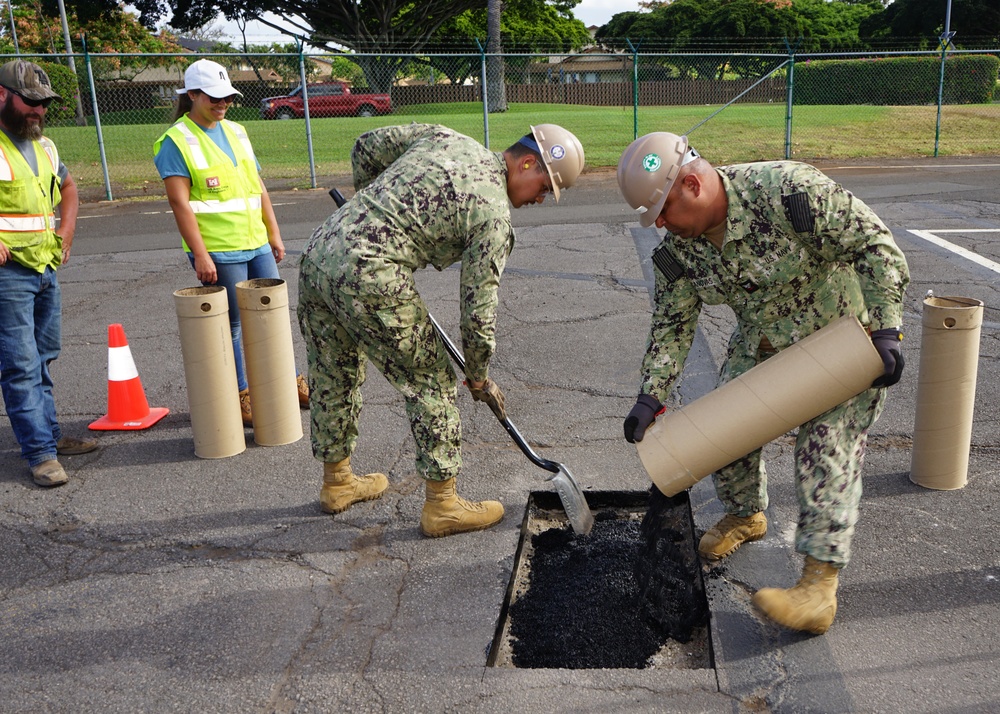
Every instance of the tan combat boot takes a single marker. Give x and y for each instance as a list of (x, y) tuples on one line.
[(810, 606), (730, 533), (445, 513), (302, 387), (342, 487), (245, 407)]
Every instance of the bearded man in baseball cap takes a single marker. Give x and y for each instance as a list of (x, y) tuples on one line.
[(33, 182)]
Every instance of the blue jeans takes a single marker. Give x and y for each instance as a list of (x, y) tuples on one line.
[(261, 266), (30, 337)]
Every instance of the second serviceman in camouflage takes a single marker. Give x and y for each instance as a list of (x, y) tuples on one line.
[(789, 250), (426, 195)]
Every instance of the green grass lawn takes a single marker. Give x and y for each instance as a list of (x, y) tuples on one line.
[(742, 132)]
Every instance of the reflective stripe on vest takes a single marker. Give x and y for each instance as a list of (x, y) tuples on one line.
[(51, 152), (7, 170), (198, 156), (27, 224), (194, 146), (241, 134), (233, 204)]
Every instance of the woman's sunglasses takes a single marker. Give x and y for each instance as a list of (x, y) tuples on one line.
[(216, 100), (31, 102)]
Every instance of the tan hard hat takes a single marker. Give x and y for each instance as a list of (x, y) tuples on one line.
[(561, 153), (647, 169)]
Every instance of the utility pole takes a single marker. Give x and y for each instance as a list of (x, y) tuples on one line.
[(80, 119), (13, 30)]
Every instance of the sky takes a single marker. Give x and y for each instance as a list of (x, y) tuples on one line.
[(590, 12)]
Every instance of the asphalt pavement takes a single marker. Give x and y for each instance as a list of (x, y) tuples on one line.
[(156, 581)]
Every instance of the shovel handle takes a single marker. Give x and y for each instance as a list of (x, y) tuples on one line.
[(537, 460)]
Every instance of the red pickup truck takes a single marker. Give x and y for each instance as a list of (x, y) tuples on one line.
[(326, 99)]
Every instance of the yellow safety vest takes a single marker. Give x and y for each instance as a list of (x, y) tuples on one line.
[(225, 199), (27, 203)]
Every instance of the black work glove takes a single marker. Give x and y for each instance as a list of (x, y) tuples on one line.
[(491, 394), (646, 409), (889, 344)]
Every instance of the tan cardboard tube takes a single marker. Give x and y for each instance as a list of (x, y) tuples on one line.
[(210, 371), (797, 384), (270, 362), (946, 392)]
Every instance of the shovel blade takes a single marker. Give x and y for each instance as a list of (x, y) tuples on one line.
[(573, 500)]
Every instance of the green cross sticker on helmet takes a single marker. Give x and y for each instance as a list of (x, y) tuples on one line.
[(647, 170)]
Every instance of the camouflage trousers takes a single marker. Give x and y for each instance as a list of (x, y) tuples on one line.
[(342, 331), (829, 455)]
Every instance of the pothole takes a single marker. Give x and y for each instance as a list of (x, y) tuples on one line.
[(628, 595)]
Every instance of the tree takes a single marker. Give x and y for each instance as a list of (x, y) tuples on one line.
[(693, 25), (925, 19), (39, 31), (526, 27), (832, 26), (387, 29), (747, 25), (282, 58), (496, 95)]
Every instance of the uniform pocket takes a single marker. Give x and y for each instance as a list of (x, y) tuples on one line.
[(409, 335)]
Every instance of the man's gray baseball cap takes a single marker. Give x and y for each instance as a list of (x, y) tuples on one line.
[(27, 79)]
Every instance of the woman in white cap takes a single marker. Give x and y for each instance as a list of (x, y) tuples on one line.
[(219, 201)]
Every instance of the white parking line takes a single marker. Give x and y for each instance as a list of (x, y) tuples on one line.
[(931, 237)]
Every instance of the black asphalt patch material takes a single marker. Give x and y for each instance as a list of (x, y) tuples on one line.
[(613, 598)]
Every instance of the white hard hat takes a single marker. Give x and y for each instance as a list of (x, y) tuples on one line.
[(647, 170), (561, 153)]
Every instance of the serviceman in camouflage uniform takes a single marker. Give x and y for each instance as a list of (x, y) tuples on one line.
[(789, 251), (426, 195)]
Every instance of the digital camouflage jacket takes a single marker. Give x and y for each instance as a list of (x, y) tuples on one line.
[(799, 252)]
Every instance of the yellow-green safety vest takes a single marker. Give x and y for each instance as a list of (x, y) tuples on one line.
[(27, 203), (225, 199)]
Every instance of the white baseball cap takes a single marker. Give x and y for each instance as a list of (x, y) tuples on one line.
[(209, 77)]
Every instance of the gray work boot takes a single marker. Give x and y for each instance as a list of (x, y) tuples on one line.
[(810, 606), (71, 446), (730, 533), (49, 473), (342, 487), (445, 513)]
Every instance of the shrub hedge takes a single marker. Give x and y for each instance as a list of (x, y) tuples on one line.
[(969, 79), (65, 84)]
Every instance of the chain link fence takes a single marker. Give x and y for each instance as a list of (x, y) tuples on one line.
[(734, 106)]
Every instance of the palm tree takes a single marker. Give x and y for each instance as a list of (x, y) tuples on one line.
[(496, 91)]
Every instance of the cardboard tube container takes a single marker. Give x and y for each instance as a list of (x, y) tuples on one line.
[(210, 371), (270, 361), (946, 392), (799, 383)]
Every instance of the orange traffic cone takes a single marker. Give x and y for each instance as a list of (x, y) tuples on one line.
[(127, 405)]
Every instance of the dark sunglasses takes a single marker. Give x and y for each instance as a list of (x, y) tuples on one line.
[(215, 100), (31, 102)]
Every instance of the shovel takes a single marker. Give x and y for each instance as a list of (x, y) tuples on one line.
[(570, 493)]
